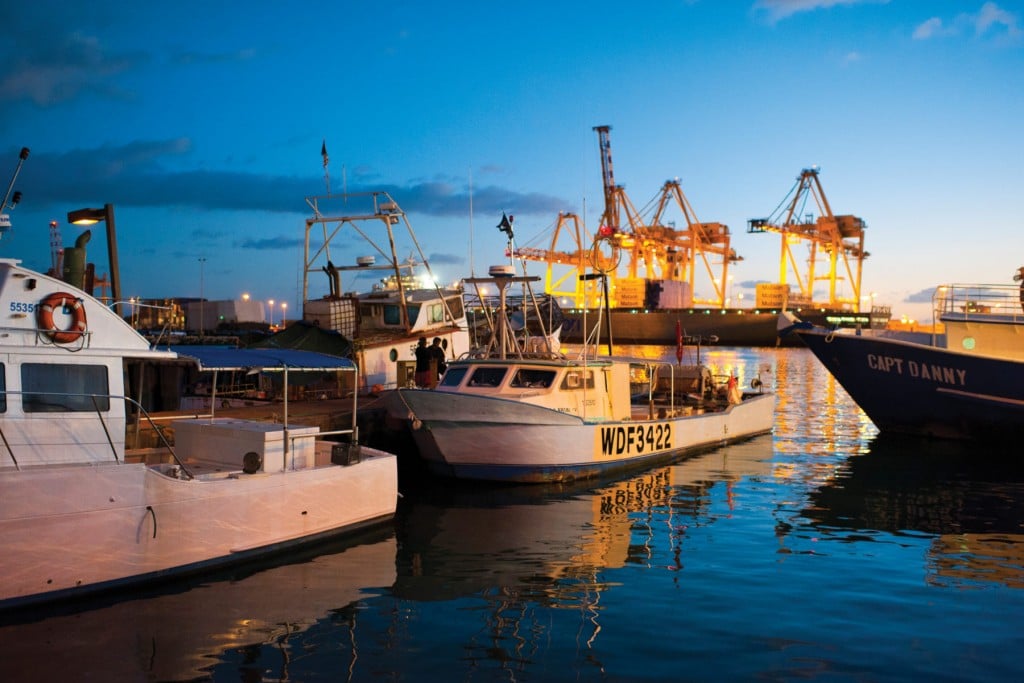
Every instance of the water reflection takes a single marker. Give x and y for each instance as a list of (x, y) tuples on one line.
[(970, 502), (519, 552), (178, 636)]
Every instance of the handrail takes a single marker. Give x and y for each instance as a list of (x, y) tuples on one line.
[(99, 413), (979, 299)]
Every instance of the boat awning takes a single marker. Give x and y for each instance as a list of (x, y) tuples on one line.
[(210, 358)]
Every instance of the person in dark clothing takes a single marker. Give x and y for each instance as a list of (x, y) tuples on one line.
[(424, 377), (437, 353)]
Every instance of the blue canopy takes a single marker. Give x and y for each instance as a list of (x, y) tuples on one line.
[(210, 358)]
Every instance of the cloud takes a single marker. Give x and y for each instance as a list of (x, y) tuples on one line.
[(923, 297), (930, 29), (852, 57), (48, 69), (446, 259), (270, 243), (991, 21), (138, 174), (781, 9)]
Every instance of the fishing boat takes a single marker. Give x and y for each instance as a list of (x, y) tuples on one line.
[(965, 384), (519, 412), (401, 299), (81, 513)]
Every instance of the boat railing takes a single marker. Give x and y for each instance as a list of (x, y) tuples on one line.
[(964, 302), (97, 401), (52, 401)]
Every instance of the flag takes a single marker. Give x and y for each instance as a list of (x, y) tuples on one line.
[(506, 225), (323, 152)]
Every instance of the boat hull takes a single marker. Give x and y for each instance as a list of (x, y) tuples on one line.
[(911, 388), (731, 327), (67, 531), (500, 440)]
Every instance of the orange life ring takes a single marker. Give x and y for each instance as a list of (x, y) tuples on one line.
[(78, 324)]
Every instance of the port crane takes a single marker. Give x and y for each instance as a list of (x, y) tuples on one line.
[(837, 240), (645, 243)]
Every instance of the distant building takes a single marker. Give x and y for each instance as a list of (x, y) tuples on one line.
[(208, 315)]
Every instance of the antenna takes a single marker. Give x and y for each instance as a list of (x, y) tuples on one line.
[(472, 268), (11, 200)]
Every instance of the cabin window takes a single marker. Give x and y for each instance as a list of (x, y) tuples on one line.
[(487, 377), (436, 313), (453, 377), (578, 379), (541, 379), (455, 306), (393, 314), (55, 388), (3, 388)]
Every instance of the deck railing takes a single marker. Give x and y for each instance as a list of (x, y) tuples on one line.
[(980, 302), (94, 399)]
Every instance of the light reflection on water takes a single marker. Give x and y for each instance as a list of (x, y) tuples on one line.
[(822, 551)]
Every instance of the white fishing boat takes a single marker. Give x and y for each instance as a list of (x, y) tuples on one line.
[(404, 302), (80, 513), (519, 411)]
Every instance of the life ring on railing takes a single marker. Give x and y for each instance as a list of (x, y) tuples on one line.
[(45, 319)]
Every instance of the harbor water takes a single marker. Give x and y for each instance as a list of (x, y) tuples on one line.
[(821, 552)]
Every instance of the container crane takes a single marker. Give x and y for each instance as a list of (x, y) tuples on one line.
[(840, 239), (651, 247)]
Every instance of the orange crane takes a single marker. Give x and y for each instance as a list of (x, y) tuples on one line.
[(837, 240), (651, 246)]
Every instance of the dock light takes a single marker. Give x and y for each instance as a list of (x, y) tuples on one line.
[(91, 217)]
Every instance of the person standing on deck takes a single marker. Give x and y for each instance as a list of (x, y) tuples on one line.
[(437, 354), (424, 377)]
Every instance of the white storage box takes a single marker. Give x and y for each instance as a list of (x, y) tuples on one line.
[(225, 441)]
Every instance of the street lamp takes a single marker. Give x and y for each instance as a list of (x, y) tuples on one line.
[(271, 302), (284, 312), (91, 217), (202, 320)]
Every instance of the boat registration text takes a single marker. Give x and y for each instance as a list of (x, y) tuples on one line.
[(630, 440)]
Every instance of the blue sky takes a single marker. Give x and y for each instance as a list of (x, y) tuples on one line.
[(202, 123)]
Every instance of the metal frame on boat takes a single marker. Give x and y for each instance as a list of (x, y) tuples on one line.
[(406, 302)]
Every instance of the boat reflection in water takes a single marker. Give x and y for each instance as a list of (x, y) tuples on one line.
[(182, 635), (971, 504), (527, 549)]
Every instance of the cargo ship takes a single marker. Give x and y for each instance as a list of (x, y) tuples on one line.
[(721, 326), (654, 275)]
